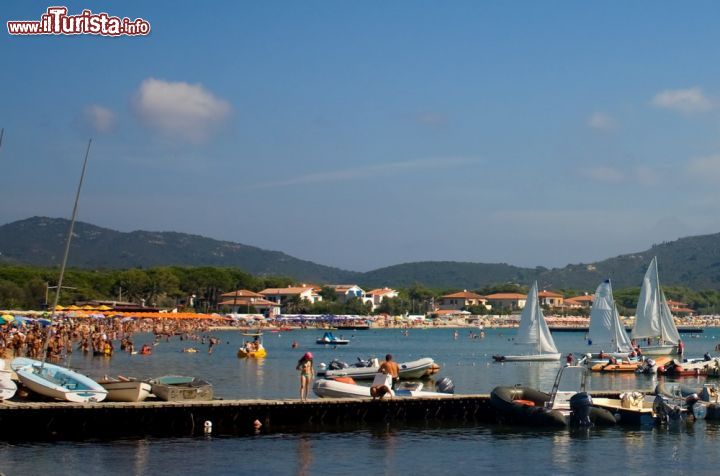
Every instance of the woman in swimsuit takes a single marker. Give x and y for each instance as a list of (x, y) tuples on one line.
[(305, 366)]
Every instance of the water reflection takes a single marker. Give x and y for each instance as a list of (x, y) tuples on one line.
[(304, 455)]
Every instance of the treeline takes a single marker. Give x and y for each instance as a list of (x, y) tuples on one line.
[(27, 287)]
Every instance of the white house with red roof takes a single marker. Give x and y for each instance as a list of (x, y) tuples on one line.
[(510, 301), (376, 296), (243, 301), (461, 300), (551, 299)]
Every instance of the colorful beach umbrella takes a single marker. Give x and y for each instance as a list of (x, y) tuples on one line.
[(6, 318)]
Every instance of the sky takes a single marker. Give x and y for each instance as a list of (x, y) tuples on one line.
[(363, 134)]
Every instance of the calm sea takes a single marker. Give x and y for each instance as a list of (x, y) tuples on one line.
[(376, 449)]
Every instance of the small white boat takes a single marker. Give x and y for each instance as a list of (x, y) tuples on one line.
[(175, 387), (533, 336), (329, 388), (125, 390), (423, 367), (57, 382), (7, 386), (329, 339)]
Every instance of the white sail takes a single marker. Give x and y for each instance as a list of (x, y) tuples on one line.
[(533, 330), (606, 331), (652, 316)]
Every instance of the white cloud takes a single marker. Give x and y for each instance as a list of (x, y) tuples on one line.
[(683, 100), (366, 172), (180, 109), (600, 121), (705, 168), (99, 118)]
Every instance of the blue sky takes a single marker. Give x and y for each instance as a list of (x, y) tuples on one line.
[(361, 134)]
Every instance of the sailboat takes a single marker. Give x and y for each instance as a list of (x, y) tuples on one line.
[(607, 334), (51, 380), (653, 320), (533, 334)]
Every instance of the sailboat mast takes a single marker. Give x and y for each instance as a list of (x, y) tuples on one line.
[(67, 245)]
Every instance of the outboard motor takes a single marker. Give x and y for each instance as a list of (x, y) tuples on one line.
[(322, 367), (580, 405), (337, 365), (666, 413), (698, 409), (445, 385)]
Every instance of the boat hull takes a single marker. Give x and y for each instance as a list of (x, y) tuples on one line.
[(328, 388), (256, 354), (174, 388), (528, 358), (655, 350), (132, 391), (57, 382), (419, 368), (7, 386)]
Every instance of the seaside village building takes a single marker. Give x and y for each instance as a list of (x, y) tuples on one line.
[(579, 302), (246, 302), (376, 296), (506, 301), (345, 292), (461, 300), (551, 299), (680, 308)]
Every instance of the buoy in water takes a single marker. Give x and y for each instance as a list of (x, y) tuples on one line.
[(208, 427)]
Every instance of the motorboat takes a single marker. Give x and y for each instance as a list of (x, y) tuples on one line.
[(345, 387), (177, 387), (329, 339), (691, 368), (559, 408), (57, 382), (123, 389), (533, 336), (708, 396), (367, 369)]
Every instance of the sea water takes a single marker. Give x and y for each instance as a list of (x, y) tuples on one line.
[(428, 448)]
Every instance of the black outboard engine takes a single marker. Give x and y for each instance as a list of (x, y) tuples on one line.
[(337, 365), (580, 405), (445, 385), (664, 411)]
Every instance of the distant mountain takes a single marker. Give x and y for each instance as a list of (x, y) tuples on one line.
[(40, 241), (692, 261)]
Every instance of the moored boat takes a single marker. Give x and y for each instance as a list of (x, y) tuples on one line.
[(57, 382), (560, 408), (346, 388), (7, 386), (690, 368), (123, 389), (177, 387), (252, 349), (366, 370), (329, 339)]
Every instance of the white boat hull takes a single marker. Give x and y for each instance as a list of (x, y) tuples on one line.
[(57, 382), (132, 391), (7, 386), (407, 370), (325, 388), (654, 350), (530, 358)]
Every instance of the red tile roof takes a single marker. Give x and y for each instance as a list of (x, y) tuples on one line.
[(505, 296), (463, 295)]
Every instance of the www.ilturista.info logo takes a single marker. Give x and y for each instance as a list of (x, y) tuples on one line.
[(56, 21)]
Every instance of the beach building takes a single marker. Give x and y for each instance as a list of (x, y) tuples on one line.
[(462, 300), (280, 295), (345, 292), (376, 296), (579, 302), (680, 308), (243, 301), (551, 299), (507, 301)]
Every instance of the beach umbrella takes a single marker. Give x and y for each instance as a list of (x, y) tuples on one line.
[(44, 322), (6, 318)]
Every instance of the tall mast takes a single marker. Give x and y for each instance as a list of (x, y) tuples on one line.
[(67, 246)]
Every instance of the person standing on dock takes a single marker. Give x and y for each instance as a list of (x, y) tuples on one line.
[(305, 366), (391, 368)]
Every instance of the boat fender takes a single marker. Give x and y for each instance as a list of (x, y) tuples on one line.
[(527, 403), (208, 427)]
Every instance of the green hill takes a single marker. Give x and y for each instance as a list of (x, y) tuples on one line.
[(693, 261), (40, 241)]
